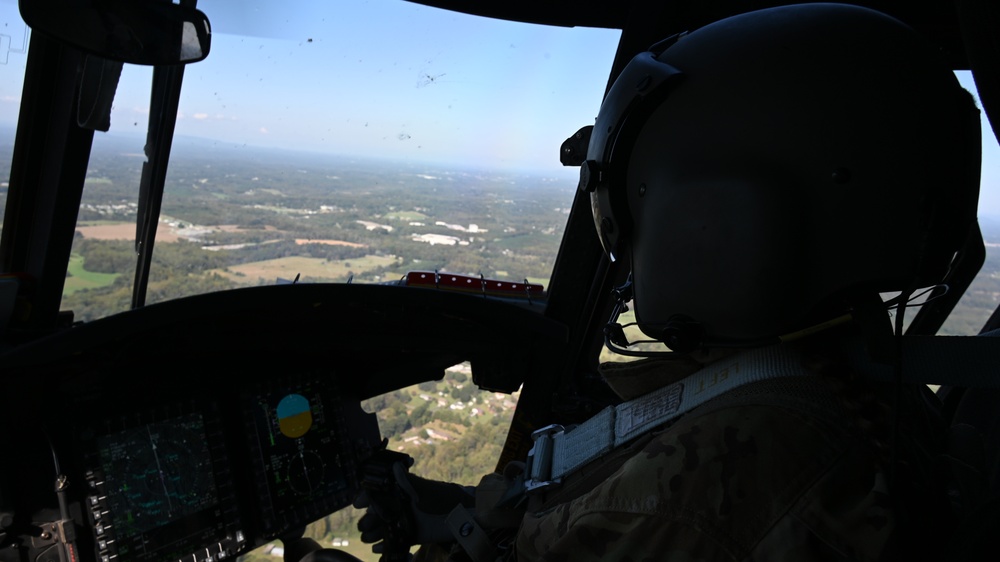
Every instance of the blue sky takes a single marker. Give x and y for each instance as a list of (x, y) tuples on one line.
[(396, 86), (379, 77), (383, 78)]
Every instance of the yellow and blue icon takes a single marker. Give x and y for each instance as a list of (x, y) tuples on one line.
[(294, 416)]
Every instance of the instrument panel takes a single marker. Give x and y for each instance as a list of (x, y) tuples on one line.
[(159, 488), (196, 478), (201, 428), (297, 431)]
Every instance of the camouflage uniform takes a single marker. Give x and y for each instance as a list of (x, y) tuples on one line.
[(773, 471)]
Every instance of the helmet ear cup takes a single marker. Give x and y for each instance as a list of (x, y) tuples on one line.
[(639, 90), (807, 156)]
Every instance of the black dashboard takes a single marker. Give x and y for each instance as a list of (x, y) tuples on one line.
[(198, 429), (165, 483)]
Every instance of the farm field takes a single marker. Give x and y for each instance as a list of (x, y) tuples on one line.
[(309, 269), (79, 278)]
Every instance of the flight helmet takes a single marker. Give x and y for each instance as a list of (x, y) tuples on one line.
[(765, 171)]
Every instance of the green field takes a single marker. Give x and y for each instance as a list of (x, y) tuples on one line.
[(309, 269), (80, 278), (406, 216)]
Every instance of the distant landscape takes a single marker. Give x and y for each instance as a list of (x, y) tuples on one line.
[(241, 217)]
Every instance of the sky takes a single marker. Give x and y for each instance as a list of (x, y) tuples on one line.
[(377, 77), (383, 78)]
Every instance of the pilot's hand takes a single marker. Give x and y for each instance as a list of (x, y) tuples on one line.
[(428, 503)]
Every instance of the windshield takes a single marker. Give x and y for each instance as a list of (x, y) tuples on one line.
[(347, 141), (13, 55), (356, 141)]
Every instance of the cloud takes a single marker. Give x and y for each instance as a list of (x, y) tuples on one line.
[(263, 130), (11, 99), (200, 116)]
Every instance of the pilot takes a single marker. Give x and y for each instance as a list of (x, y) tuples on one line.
[(780, 183)]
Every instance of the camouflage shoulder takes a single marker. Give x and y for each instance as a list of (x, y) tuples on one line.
[(721, 480)]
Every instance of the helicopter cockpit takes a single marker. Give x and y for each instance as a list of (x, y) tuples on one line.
[(226, 225)]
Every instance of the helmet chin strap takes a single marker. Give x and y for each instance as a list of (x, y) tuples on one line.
[(683, 335), (614, 333)]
